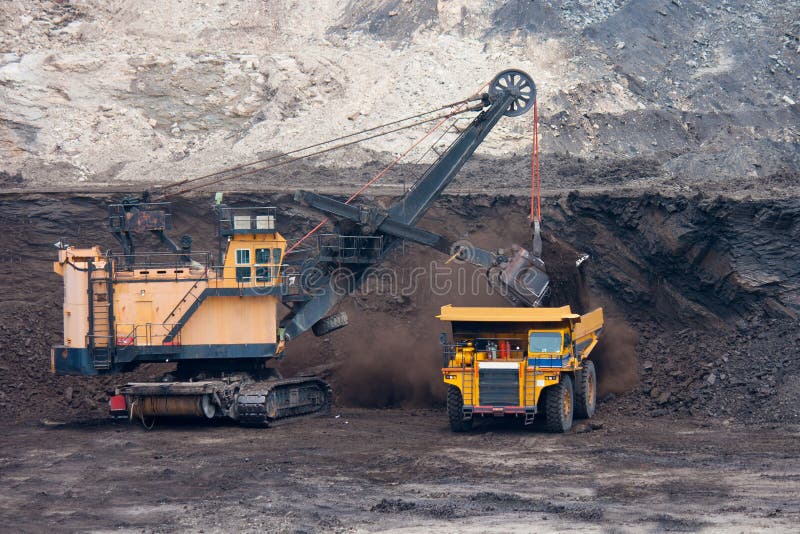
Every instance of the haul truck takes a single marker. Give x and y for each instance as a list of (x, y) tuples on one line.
[(520, 362)]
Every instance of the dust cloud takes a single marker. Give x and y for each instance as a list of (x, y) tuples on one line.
[(615, 358), (390, 355), (391, 363)]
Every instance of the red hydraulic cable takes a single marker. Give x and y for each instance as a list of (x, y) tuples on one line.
[(387, 168)]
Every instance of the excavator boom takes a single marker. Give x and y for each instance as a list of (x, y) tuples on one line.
[(520, 278)]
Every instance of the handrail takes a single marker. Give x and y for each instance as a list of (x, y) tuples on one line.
[(349, 247), (250, 219), (145, 332), (168, 260), (449, 352), (184, 299)]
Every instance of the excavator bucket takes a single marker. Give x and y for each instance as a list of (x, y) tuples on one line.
[(521, 279)]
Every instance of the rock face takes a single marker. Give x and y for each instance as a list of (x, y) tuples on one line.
[(662, 92), (711, 286), (686, 330), (705, 259)]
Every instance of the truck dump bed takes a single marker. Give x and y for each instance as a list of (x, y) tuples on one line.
[(585, 328)]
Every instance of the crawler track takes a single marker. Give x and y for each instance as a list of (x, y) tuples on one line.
[(274, 401)]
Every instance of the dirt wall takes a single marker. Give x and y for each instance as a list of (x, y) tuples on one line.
[(695, 290)]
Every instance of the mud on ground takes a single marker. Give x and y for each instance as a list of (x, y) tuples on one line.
[(401, 470)]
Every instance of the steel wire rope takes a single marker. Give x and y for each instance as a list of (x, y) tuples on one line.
[(163, 189), (459, 109), (305, 156)]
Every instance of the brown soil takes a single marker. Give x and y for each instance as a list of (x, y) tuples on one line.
[(369, 470), (700, 296)]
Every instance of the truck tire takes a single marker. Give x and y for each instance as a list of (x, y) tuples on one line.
[(585, 391), (328, 324), (455, 411), (560, 404)]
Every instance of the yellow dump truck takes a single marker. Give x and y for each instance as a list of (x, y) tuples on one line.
[(519, 362)]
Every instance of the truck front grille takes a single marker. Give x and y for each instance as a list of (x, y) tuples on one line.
[(499, 387)]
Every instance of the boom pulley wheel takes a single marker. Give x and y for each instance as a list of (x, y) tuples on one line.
[(520, 85)]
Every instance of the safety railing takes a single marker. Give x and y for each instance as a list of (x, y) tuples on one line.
[(195, 262), (449, 353), (140, 216), (250, 276), (349, 248), (483, 350), (146, 335), (249, 220)]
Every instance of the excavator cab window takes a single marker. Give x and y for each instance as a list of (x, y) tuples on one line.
[(243, 274), (268, 264), (263, 272)]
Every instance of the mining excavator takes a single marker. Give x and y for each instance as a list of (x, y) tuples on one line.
[(216, 315)]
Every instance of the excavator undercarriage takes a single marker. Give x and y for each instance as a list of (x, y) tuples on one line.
[(248, 399)]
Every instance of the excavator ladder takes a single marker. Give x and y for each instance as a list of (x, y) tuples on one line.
[(100, 338)]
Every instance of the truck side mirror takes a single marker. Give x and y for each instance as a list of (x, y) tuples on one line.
[(443, 338)]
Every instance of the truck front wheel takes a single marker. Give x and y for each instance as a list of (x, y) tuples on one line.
[(455, 410), (560, 404)]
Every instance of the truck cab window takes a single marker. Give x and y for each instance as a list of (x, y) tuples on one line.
[(544, 342)]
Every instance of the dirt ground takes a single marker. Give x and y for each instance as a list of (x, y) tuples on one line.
[(400, 470)]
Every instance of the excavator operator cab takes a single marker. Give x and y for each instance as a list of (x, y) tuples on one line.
[(249, 248)]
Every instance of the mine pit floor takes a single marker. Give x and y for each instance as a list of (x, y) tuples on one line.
[(400, 470)]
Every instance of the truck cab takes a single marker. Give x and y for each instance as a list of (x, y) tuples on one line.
[(519, 362)]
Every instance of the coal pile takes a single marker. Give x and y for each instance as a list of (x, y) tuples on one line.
[(747, 374)]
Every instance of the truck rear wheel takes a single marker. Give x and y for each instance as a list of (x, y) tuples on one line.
[(560, 405), (585, 391), (455, 410)]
